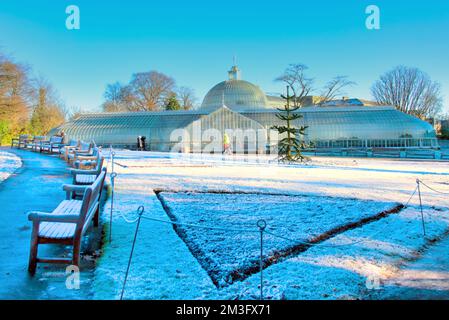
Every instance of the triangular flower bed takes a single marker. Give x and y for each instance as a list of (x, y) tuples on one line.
[(233, 255)]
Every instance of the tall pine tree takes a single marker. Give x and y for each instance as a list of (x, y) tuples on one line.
[(292, 144)]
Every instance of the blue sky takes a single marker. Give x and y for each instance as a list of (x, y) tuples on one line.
[(195, 41)]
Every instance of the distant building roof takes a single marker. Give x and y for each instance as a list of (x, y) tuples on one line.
[(276, 101), (352, 102)]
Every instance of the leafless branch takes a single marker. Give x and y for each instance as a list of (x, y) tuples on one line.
[(409, 90), (334, 88)]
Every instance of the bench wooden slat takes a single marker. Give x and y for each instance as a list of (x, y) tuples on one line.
[(54, 260), (85, 178), (56, 230)]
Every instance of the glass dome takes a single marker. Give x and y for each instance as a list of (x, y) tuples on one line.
[(238, 95)]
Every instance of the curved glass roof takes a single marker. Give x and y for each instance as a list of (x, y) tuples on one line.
[(346, 123), (237, 95), (124, 128), (324, 123)]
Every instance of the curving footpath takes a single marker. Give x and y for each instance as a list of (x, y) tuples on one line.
[(35, 186)]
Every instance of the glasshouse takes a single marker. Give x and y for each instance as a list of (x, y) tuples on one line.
[(248, 114)]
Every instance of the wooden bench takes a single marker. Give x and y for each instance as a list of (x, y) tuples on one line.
[(20, 142), (445, 156), (85, 149), (353, 152), (67, 224), (386, 153), (52, 145), (420, 154), (324, 152), (35, 144), (64, 150), (83, 161), (87, 177)]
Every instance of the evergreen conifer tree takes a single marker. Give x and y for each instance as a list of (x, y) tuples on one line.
[(292, 144), (172, 103)]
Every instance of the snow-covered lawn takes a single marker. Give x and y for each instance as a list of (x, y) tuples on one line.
[(335, 270), (231, 254), (9, 163), (311, 199)]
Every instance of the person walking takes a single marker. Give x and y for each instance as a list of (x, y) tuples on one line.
[(226, 144)]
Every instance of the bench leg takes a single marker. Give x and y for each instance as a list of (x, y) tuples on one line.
[(76, 252), (33, 249), (97, 217)]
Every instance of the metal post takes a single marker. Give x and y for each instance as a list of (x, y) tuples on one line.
[(113, 160), (140, 212), (110, 154), (420, 205), (113, 176), (262, 225)]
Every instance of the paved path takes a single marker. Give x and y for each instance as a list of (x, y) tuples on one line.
[(35, 186)]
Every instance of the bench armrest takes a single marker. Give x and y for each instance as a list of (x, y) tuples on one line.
[(73, 188), (82, 154), (79, 150), (72, 150), (83, 158), (37, 216), (81, 171)]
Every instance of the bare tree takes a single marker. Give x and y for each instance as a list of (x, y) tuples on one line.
[(74, 112), (295, 77), (334, 88), (116, 96), (149, 90), (187, 97), (302, 86), (409, 90), (113, 94)]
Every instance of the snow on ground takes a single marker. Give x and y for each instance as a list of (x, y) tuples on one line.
[(9, 163), (164, 268), (229, 255), (351, 265), (422, 279)]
